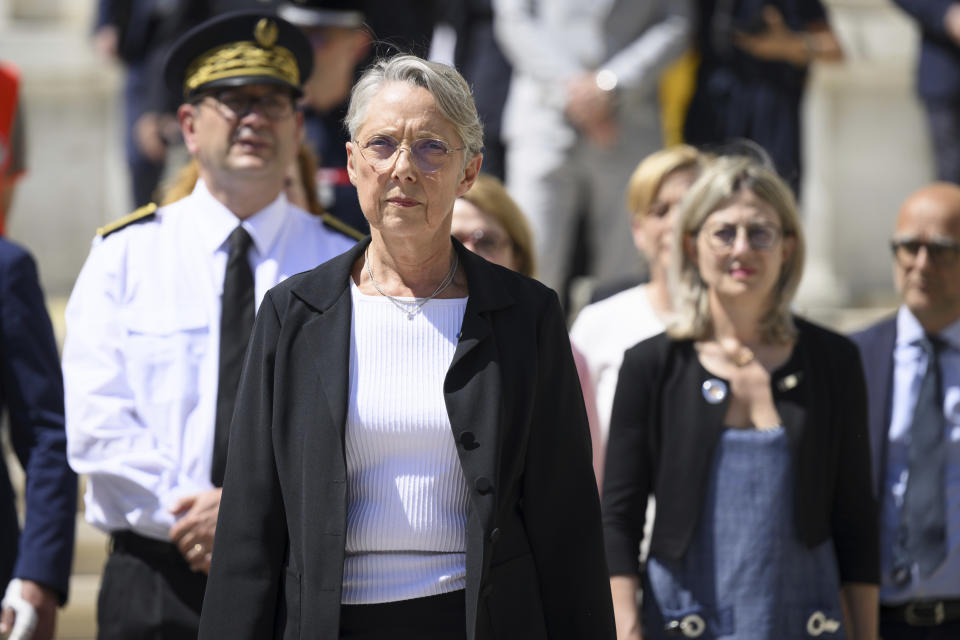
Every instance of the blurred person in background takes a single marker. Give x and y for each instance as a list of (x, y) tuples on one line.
[(410, 456), (35, 562), (754, 58), (581, 112), (605, 329), (139, 34), (341, 42), (161, 315), (749, 426), (487, 71), (488, 222), (938, 78), (912, 363)]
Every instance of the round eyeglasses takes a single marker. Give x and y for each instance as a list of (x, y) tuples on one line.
[(428, 154), (760, 237), (941, 253), (236, 104)]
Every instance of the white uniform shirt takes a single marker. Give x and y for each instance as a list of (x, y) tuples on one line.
[(141, 357)]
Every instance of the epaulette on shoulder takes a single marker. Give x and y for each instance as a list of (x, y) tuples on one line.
[(339, 225), (142, 214)]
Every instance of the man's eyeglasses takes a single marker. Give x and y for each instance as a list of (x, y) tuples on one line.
[(942, 253), (760, 237), (428, 154), (236, 104)]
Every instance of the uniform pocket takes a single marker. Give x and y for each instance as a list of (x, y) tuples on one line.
[(164, 353)]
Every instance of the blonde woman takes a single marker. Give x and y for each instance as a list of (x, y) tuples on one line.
[(748, 425)]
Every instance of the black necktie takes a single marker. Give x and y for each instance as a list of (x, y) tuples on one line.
[(236, 322), (923, 525)]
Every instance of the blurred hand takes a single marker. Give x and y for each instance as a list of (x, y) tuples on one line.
[(777, 42), (193, 533), (106, 41), (591, 110), (152, 134), (951, 22), (44, 602)]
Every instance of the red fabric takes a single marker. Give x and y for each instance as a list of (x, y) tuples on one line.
[(9, 90)]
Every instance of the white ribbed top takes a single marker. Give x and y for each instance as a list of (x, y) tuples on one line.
[(406, 495)]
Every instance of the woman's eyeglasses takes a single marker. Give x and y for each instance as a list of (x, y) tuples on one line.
[(941, 253), (428, 154), (487, 244), (760, 237)]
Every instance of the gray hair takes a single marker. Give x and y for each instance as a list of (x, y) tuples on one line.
[(449, 89), (720, 182)]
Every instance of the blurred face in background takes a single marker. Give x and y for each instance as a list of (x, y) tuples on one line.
[(926, 262), (653, 229), (483, 234)]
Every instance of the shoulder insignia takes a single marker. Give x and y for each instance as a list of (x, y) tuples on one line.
[(140, 215), (339, 225)]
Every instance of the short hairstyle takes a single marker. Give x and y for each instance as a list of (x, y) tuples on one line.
[(720, 183), (651, 172), (444, 83), (489, 195)]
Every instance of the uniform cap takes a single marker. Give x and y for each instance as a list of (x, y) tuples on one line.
[(236, 49)]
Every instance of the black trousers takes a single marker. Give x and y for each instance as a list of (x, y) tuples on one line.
[(148, 592), (440, 617), (895, 628)]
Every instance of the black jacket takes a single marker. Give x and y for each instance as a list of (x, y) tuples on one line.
[(534, 548), (663, 434)]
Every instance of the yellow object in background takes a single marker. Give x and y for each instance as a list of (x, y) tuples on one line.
[(677, 83)]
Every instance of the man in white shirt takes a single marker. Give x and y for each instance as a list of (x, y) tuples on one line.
[(161, 312), (912, 367)]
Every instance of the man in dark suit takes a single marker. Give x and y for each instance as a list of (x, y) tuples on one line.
[(938, 78), (31, 389), (912, 366)]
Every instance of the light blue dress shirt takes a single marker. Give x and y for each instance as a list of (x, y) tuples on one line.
[(910, 364)]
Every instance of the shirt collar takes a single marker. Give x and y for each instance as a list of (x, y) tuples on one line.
[(218, 222), (910, 331)]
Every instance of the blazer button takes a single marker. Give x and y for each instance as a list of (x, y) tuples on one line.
[(483, 485), (468, 441), (494, 536)]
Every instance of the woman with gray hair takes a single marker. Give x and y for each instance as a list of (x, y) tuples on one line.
[(409, 456), (748, 424)]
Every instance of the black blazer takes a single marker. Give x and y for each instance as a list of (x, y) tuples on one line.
[(663, 434), (876, 345), (534, 548), (31, 389)]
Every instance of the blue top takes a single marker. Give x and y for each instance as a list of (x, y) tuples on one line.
[(746, 574)]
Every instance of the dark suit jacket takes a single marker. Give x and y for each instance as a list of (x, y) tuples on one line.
[(31, 389), (938, 73), (876, 349), (534, 552), (663, 434)]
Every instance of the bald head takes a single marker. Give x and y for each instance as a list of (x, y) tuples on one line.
[(927, 268), (938, 203)]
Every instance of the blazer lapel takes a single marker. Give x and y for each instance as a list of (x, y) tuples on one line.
[(877, 356), (326, 335), (472, 387)]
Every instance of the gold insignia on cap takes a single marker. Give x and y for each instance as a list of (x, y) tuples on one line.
[(242, 59), (265, 33)]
